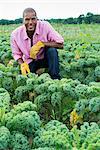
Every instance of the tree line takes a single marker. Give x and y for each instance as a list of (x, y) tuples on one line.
[(88, 19)]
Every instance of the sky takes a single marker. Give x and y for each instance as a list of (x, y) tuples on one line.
[(47, 9)]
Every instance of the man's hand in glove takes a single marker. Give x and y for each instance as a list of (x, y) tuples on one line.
[(25, 68), (35, 49)]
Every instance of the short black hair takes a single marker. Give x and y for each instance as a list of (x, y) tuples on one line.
[(28, 10)]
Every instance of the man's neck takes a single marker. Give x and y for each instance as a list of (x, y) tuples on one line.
[(30, 34)]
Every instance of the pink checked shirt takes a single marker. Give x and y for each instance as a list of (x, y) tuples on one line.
[(21, 43)]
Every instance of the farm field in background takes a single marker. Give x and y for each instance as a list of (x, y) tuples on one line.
[(38, 113), (69, 32)]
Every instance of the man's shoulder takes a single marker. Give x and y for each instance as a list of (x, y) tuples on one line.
[(18, 30)]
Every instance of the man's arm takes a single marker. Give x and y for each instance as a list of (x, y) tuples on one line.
[(54, 44), (16, 52)]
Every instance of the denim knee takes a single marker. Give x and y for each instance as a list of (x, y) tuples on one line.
[(51, 51)]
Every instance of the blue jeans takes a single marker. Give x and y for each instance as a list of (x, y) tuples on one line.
[(50, 61)]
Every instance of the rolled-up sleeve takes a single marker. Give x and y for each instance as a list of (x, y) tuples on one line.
[(53, 35), (16, 52)]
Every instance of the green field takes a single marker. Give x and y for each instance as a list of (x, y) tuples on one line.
[(38, 113), (90, 32)]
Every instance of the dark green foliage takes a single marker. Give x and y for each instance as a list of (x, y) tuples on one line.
[(56, 125), (92, 141), (41, 99), (89, 78), (25, 106), (41, 88), (7, 83), (43, 78), (19, 141), (93, 91), (94, 104), (4, 99), (8, 80), (83, 63), (31, 83), (91, 62), (87, 129), (81, 106), (69, 90), (56, 99), (81, 91), (2, 67), (89, 109), (4, 138), (26, 122), (54, 87), (87, 135), (21, 94), (97, 73), (21, 80), (55, 135)]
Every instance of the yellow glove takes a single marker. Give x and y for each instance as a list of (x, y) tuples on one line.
[(35, 49), (25, 68)]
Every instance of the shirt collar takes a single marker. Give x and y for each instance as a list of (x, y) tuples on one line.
[(36, 31)]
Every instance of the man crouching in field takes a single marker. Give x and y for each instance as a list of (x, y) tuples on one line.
[(34, 45)]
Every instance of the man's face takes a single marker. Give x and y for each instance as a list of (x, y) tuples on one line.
[(30, 21)]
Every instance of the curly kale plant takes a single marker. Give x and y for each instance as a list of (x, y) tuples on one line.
[(25, 106), (19, 141), (21, 80), (42, 99), (94, 104), (97, 73), (87, 136), (43, 78), (4, 99), (4, 138), (55, 135), (26, 122), (92, 141), (8, 84), (89, 108), (81, 91), (56, 98), (21, 94)]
